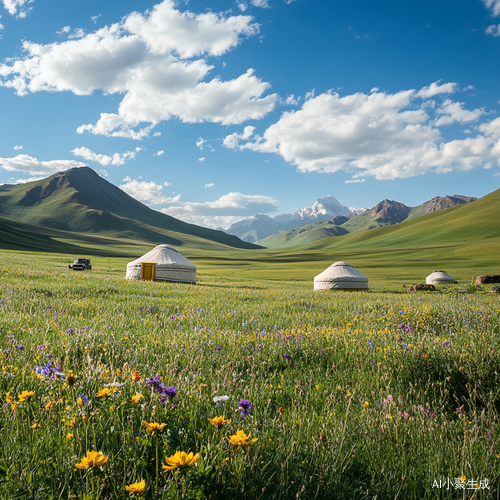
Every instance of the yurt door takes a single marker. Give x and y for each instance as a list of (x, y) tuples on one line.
[(148, 271)]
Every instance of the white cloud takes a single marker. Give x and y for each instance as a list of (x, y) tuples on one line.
[(354, 181), (209, 184), (452, 112), (231, 141), (16, 147), (167, 183), (103, 173), (159, 153), (17, 7), (242, 6), (78, 33), (158, 61), (200, 142), (64, 30), (224, 211), (494, 30), (260, 3), (202, 159), (117, 159), (25, 181), (435, 89), (127, 179), (494, 5), (26, 163), (95, 18), (291, 99), (149, 192), (383, 135)]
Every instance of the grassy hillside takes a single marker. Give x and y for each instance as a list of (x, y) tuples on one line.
[(78, 200), (303, 235)]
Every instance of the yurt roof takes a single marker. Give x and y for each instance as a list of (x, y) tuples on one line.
[(440, 275), (164, 255), (341, 271)]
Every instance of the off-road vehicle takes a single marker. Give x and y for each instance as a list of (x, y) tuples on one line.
[(81, 265)]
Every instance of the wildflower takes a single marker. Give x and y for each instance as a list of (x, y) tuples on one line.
[(241, 439), (367, 403), (170, 392), (35, 426), (104, 393), (82, 400), (370, 343), (70, 330), (26, 396), (202, 386), (136, 488), (136, 398), (70, 435), (287, 357), (281, 410), (93, 459), (154, 427), (42, 347), (218, 347), (218, 421), (8, 397), (349, 394), (71, 379), (218, 399), (323, 437), (136, 376), (446, 343), (20, 347), (180, 460), (463, 478), (246, 407)]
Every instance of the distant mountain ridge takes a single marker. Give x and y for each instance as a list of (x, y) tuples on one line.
[(385, 213), (79, 200), (260, 226)]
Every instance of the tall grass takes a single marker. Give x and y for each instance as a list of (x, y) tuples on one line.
[(353, 395)]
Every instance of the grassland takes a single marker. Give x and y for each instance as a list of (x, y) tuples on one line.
[(351, 396)]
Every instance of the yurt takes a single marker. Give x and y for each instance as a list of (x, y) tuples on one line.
[(340, 276), (439, 278), (163, 263)]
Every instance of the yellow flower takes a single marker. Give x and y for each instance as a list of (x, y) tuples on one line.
[(50, 404), (241, 439), (136, 376), (139, 487), (104, 393), (218, 421), (13, 406), (463, 478), (136, 398), (72, 422), (180, 460), (367, 403), (70, 435), (26, 396), (154, 427), (349, 394), (35, 426), (93, 459), (71, 379), (8, 397)]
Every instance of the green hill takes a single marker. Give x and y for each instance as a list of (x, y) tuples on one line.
[(80, 201)]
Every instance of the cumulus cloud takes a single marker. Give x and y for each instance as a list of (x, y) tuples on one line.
[(117, 159), (259, 3), (158, 61), (435, 89), (148, 192), (494, 30), (26, 163), (16, 147), (159, 153), (452, 112), (224, 211), (17, 7), (209, 184), (202, 159), (383, 135), (493, 5), (103, 173)]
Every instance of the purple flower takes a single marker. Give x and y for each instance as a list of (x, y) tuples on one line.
[(287, 357), (155, 383), (371, 363), (370, 343), (70, 330), (42, 347), (446, 343), (150, 309), (246, 407), (20, 347), (85, 400), (172, 316), (170, 392), (288, 337), (400, 339), (48, 355), (218, 347), (401, 327), (141, 308)]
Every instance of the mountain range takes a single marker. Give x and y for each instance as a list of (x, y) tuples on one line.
[(79, 201), (385, 213), (260, 226)]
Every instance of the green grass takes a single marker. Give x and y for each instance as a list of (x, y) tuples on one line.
[(383, 392)]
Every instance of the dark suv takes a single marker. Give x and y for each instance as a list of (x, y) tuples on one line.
[(81, 265)]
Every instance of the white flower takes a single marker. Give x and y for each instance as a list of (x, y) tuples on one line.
[(218, 399)]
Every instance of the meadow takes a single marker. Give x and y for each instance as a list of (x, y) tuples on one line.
[(243, 389)]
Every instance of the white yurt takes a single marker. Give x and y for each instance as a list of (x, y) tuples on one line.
[(163, 263), (439, 278), (340, 276)]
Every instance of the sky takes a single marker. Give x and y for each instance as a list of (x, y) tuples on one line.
[(212, 111)]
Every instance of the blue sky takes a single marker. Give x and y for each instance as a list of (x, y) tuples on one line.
[(213, 111)]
